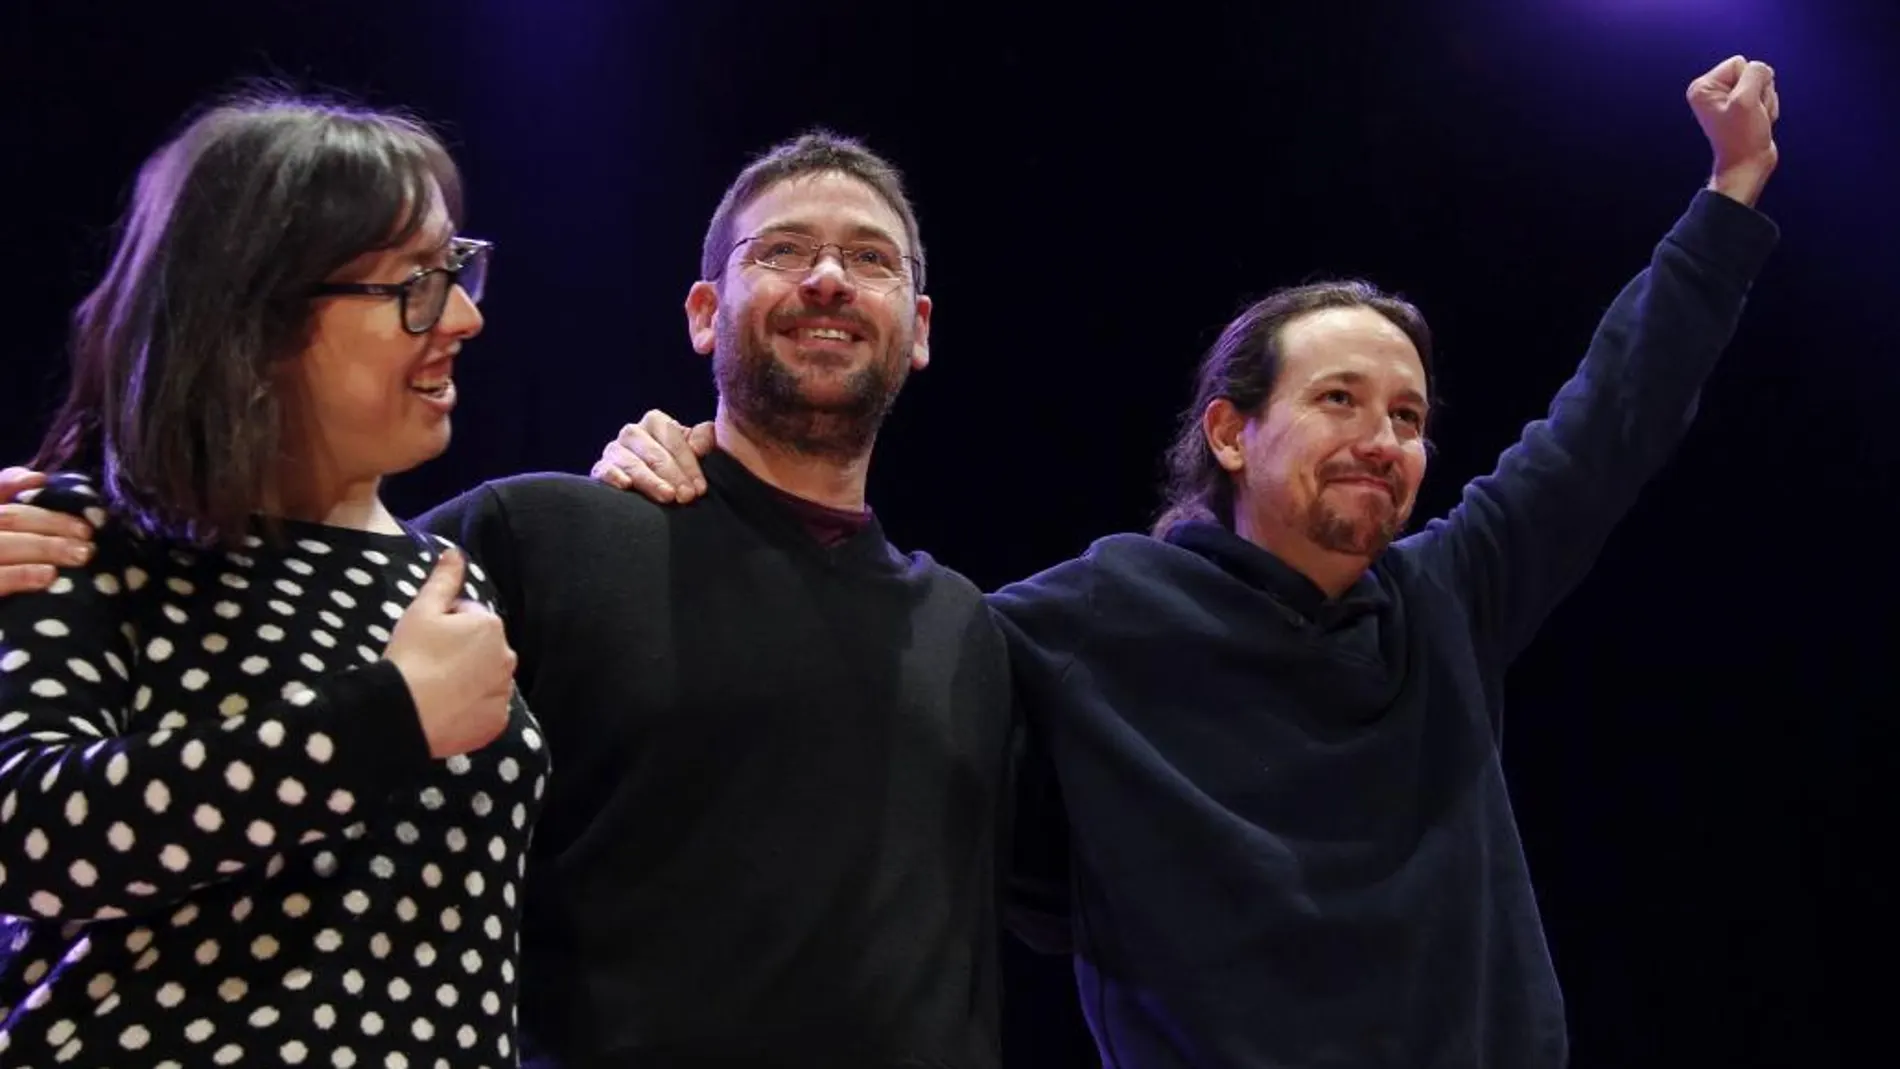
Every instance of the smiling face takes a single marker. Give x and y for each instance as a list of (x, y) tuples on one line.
[(1331, 466), (371, 398), (812, 359)]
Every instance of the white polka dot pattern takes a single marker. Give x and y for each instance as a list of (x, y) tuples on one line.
[(221, 839)]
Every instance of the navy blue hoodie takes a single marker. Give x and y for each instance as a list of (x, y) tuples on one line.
[(1290, 842)]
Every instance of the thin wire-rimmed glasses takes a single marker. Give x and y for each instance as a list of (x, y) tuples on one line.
[(874, 265), (424, 296)]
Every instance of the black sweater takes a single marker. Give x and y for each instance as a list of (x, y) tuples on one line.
[(771, 838), (1292, 843)]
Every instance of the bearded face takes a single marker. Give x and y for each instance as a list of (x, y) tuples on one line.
[(817, 380), (814, 322)]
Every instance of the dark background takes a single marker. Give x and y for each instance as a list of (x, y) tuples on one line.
[(1701, 742)]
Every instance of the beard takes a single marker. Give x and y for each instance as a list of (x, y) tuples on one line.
[(1358, 536), (776, 403), (1363, 531)]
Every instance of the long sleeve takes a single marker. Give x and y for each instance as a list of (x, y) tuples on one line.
[(1045, 620), (111, 805), (1525, 535), (1036, 907)]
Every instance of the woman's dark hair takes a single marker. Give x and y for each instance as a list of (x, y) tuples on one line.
[(172, 405), (1243, 366)]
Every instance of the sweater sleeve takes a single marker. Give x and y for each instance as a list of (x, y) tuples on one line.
[(1036, 899), (104, 813), (1045, 619), (1522, 537)]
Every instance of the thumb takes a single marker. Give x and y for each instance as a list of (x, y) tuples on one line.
[(443, 588), (1720, 79), (1727, 71), (701, 438), (1752, 82), (16, 481)]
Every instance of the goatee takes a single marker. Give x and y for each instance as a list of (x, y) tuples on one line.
[(771, 401), (1354, 536), (1365, 534)]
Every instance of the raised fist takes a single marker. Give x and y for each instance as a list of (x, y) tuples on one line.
[(1736, 105)]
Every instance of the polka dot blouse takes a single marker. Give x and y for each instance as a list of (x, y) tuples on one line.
[(222, 838)]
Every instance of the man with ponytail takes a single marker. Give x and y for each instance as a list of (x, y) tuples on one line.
[(1274, 725)]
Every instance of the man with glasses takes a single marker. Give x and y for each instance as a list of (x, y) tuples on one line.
[(779, 743)]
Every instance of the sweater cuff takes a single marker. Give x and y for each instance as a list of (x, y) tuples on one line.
[(375, 716), (1726, 234)]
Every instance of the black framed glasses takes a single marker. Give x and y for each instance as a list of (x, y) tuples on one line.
[(876, 265), (424, 296)]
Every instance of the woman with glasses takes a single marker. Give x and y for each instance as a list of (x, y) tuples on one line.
[(265, 785)]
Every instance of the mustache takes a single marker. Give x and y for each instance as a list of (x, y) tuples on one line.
[(1386, 474), (786, 320)]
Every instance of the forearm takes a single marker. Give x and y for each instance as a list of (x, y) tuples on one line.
[(1525, 534), (1638, 383), (112, 824), (1743, 182)]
